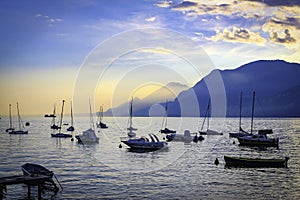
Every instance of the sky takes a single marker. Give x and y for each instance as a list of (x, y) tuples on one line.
[(109, 51)]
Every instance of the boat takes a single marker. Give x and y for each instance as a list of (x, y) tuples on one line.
[(207, 116), (60, 134), (241, 132), (30, 169), (88, 136), (144, 143), (255, 162), (10, 121), (100, 124), (259, 139), (51, 115), (53, 125), (165, 122), (21, 125), (71, 128), (186, 137), (129, 125)]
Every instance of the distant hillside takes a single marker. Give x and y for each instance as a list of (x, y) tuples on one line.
[(141, 106), (276, 83)]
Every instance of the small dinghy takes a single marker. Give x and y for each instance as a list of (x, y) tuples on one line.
[(30, 169)]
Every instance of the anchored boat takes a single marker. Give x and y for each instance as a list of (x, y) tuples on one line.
[(255, 162)]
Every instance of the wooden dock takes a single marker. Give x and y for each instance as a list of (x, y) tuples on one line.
[(22, 179)]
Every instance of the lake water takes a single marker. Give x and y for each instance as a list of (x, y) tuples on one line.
[(182, 171)]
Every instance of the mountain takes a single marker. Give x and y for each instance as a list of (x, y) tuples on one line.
[(276, 83), (142, 106)]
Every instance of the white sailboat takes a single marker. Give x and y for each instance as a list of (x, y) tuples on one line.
[(60, 134), (89, 136), (206, 117), (21, 125), (129, 126), (10, 121)]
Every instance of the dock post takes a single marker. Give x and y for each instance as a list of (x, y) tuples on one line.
[(39, 191), (1, 191), (28, 191)]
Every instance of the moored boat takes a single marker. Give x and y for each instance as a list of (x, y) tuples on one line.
[(145, 144), (31, 169), (21, 125), (89, 136), (186, 137), (60, 134), (165, 122), (258, 140), (255, 162), (207, 116)]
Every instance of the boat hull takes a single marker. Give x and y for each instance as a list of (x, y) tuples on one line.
[(30, 169), (61, 135), (166, 130), (271, 142), (255, 162), (20, 132)]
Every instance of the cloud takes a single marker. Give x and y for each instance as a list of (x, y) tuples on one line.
[(284, 31), (164, 4), (242, 35), (286, 39), (150, 19), (49, 20)]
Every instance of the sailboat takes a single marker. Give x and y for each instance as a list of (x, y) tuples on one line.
[(207, 116), (100, 124), (130, 128), (60, 134), (241, 132), (53, 125), (21, 125), (71, 128), (165, 122), (89, 136), (259, 139), (10, 121)]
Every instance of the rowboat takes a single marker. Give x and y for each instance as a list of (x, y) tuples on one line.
[(255, 162)]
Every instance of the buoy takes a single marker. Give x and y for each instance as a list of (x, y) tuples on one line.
[(27, 124), (120, 146), (233, 142), (217, 161), (72, 139)]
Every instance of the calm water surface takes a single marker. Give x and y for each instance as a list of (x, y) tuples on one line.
[(182, 171)]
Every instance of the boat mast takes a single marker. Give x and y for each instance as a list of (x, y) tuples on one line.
[(208, 114), (166, 118), (130, 113), (61, 115), (241, 100), (71, 114), (101, 113), (91, 117), (19, 119), (253, 99), (10, 121)]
